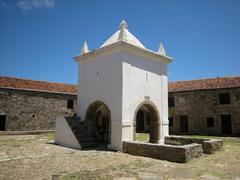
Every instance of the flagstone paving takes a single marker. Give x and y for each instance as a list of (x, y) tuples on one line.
[(33, 157)]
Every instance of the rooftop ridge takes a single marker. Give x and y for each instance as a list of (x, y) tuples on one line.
[(211, 78), (204, 84), (36, 85), (43, 81), (173, 86)]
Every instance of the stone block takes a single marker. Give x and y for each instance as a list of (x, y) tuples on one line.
[(172, 153), (212, 146), (209, 146)]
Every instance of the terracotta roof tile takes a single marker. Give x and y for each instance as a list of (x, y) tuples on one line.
[(18, 83), (201, 84)]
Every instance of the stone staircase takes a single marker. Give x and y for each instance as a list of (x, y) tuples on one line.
[(82, 132)]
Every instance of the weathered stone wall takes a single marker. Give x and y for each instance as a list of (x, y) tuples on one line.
[(33, 110), (200, 104)]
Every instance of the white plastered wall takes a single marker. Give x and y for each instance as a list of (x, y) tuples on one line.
[(64, 135), (143, 79), (100, 79)]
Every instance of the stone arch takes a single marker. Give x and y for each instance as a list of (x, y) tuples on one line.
[(154, 131), (98, 116)]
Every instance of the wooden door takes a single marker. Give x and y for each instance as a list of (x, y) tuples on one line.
[(2, 122), (183, 124), (226, 124)]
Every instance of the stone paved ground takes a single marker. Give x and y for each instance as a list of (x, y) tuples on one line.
[(32, 157)]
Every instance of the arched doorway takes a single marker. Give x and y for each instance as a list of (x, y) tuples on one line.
[(143, 121), (99, 117), (146, 120)]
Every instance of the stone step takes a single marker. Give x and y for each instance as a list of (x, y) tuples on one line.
[(77, 127), (86, 140), (77, 131), (81, 132), (89, 145), (80, 135)]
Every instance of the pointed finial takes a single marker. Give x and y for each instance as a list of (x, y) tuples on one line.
[(123, 25), (161, 50), (123, 28), (84, 48)]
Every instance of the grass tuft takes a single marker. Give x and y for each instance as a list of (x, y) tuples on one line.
[(142, 137)]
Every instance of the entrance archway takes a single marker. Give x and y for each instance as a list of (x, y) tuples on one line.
[(146, 120), (99, 117)]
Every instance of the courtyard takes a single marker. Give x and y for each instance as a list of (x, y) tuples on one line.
[(34, 157)]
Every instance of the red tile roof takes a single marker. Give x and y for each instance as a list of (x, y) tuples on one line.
[(27, 84), (201, 84)]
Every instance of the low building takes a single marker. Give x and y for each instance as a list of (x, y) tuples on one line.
[(205, 106), (34, 105)]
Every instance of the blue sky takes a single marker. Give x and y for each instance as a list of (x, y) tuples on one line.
[(38, 38)]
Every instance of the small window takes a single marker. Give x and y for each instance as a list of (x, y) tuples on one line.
[(210, 122), (170, 119), (171, 102), (70, 103), (224, 98)]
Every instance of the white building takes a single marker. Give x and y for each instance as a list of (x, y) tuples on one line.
[(117, 83)]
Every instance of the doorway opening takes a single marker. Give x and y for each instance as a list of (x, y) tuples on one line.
[(2, 122), (146, 123), (226, 124), (183, 124), (99, 117)]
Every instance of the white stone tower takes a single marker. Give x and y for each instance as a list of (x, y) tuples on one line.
[(118, 80)]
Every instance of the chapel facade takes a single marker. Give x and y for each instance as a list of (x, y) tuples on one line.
[(115, 83)]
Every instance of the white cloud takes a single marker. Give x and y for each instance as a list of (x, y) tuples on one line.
[(28, 5)]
